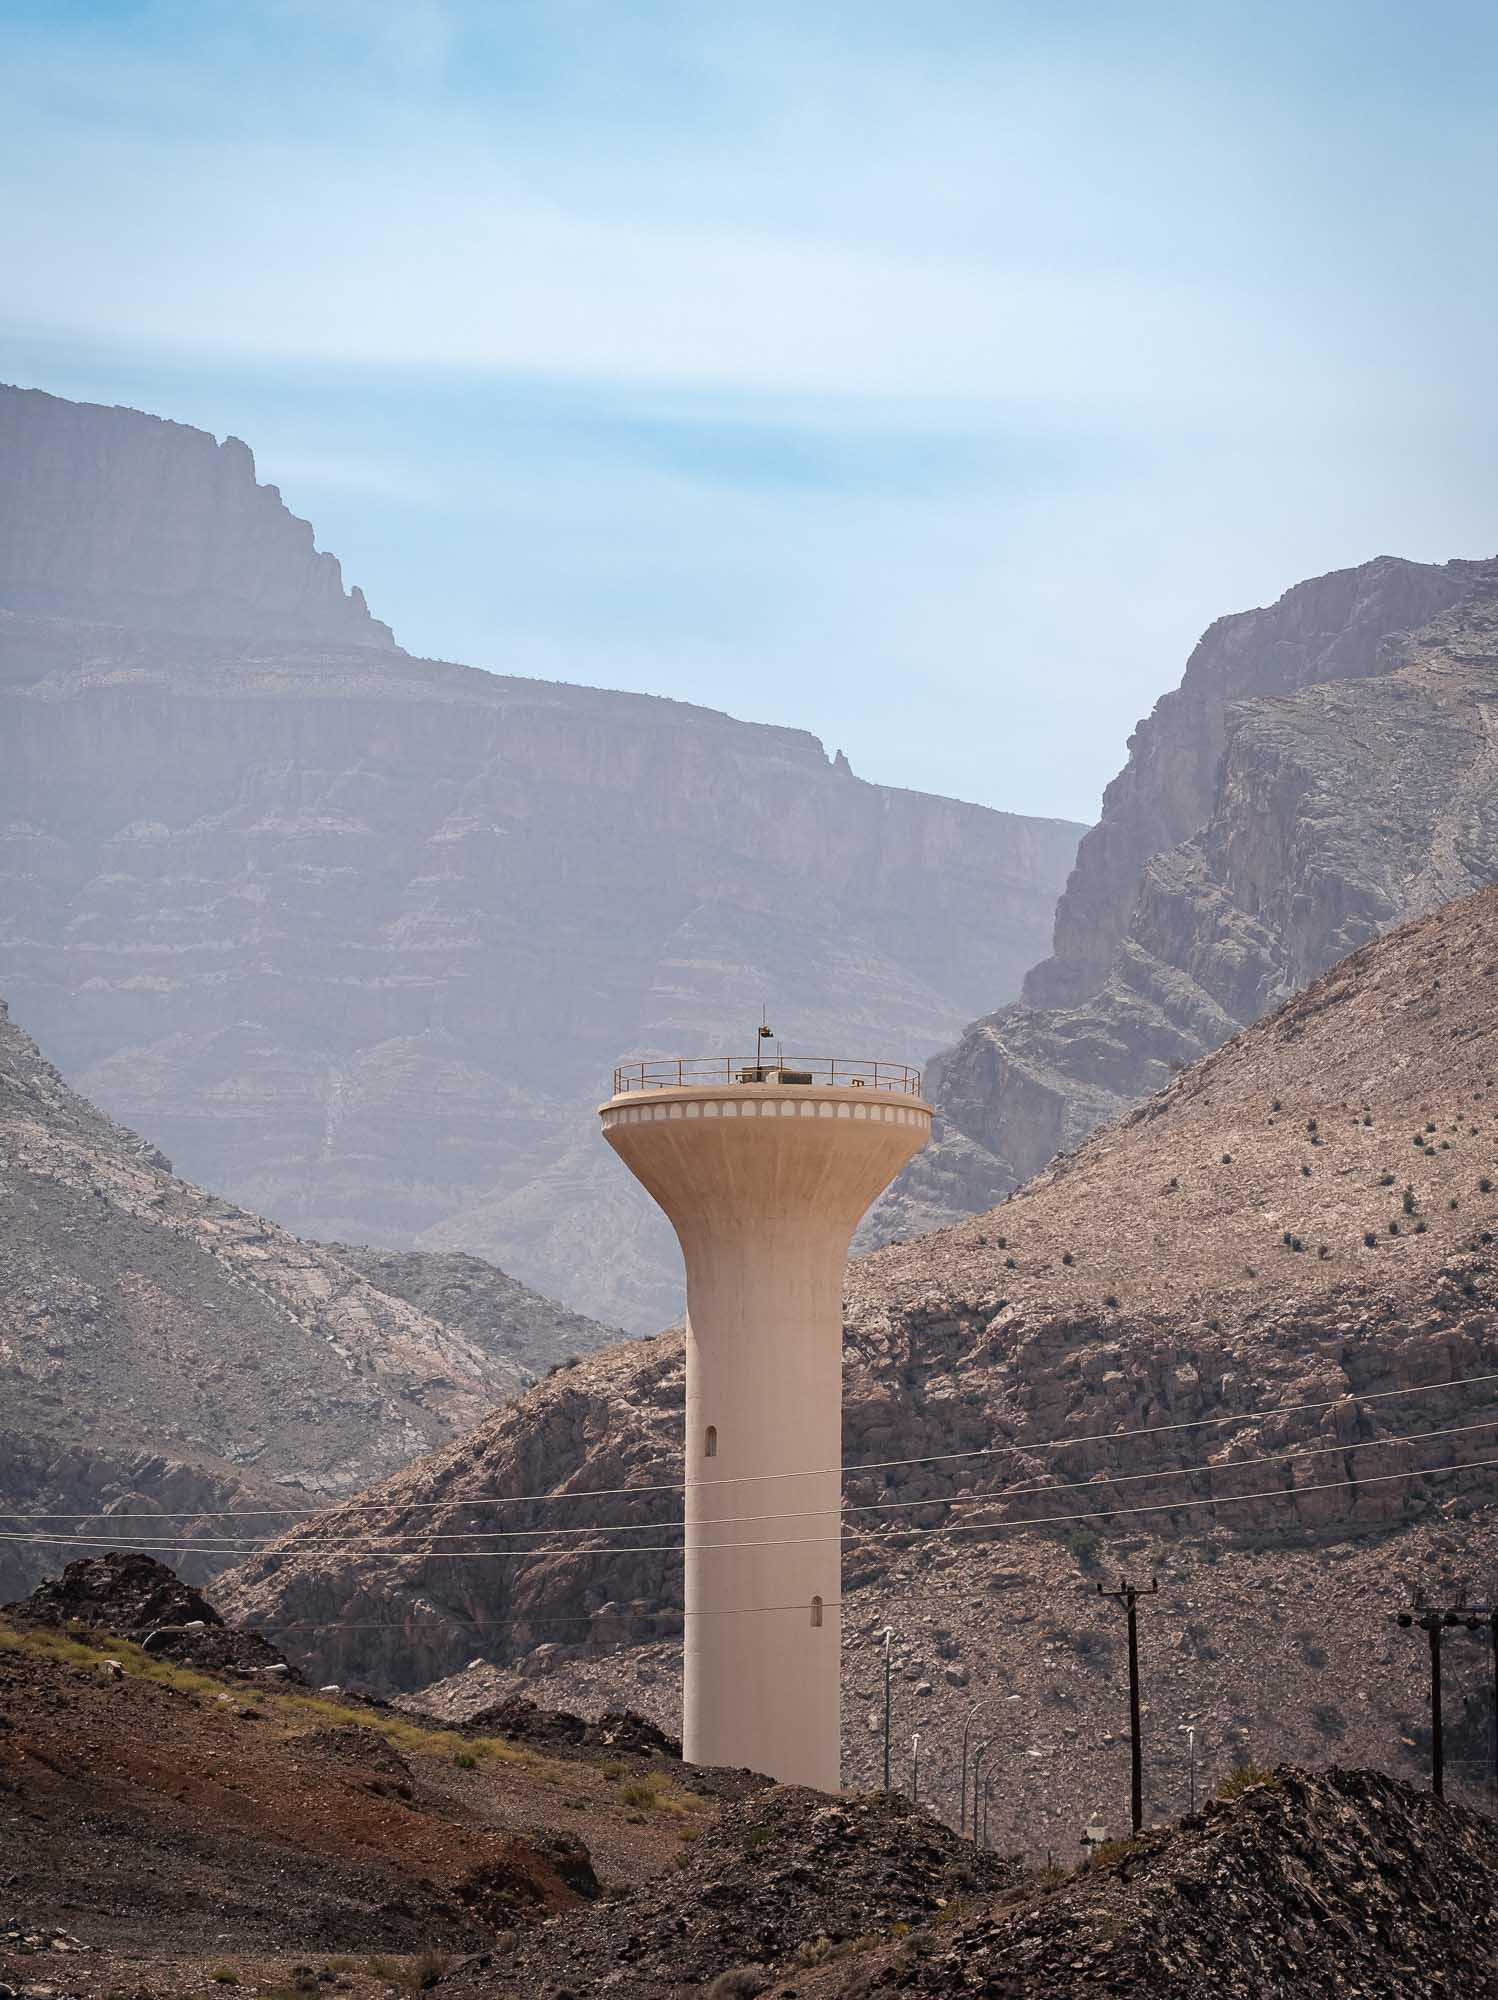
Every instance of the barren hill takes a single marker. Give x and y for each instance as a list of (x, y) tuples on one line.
[(357, 937), (1327, 768), (163, 1350), (1152, 1324), (1304, 1887)]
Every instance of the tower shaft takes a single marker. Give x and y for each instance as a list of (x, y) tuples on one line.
[(763, 1515)]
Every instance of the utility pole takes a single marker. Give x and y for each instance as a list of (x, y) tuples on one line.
[(1475, 1618), (962, 1785), (1433, 1622), (1128, 1595), (889, 1633), (1474, 1623)]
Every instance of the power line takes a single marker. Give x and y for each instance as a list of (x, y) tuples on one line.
[(1093, 1514), (885, 1506), (841, 1471), (562, 1618)]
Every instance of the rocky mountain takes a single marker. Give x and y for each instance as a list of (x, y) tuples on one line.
[(358, 937), (118, 518), (1246, 1340), (1327, 768), (168, 1357)]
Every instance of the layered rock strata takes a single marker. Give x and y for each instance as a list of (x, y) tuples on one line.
[(358, 938)]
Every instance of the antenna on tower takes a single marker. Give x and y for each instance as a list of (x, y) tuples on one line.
[(766, 1032)]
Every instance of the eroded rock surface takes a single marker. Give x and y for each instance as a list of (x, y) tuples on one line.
[(1319, 776)]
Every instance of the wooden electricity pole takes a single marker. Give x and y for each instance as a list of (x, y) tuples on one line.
[(1434, 1621), (1128, 1595)]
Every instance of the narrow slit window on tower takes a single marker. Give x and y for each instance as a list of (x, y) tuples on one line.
[(816, 1611), (710, 1442)]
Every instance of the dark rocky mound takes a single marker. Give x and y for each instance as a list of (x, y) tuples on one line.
[(557, 1729), (788, 1873), (135, 1597), (1309, 1886)]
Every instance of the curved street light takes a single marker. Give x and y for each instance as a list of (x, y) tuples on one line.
[(888, 1636), (978, 1756), (987, 1787), (962, 1791)]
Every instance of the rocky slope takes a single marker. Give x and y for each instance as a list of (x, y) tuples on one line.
[(1306, 1887), (119, 518), (481, 1301), (1240, 1310), (1318, 776), (358, 937), (166, 1353)]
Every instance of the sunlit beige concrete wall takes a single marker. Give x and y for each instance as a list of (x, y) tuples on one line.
[(764, 1184)]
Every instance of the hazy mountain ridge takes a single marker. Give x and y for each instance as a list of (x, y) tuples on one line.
[(117, 517), (1324, 771), (358, 937), (166, 1352)]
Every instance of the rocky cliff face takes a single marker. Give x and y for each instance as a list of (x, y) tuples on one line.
[(358, 937), (168, 1357), (1319, 775), (112, 516)]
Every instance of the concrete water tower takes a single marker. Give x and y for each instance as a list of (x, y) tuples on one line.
[(764, 1170)]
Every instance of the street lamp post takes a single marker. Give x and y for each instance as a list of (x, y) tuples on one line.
[(987, 1788), (978, 1756), (915, 1767), (1190, 1729), (889, 1633), (962, 1788)]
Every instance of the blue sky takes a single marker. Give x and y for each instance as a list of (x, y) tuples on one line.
[(925, 375)]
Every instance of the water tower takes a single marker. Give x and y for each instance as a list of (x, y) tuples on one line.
[(764, 1169)]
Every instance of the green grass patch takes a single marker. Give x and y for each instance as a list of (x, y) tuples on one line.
[(296, 1709), (1244, 1779), (654, 1795)]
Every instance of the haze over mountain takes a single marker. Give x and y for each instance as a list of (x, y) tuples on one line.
[(357, 937), (165, 1353), (1327, 767)]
